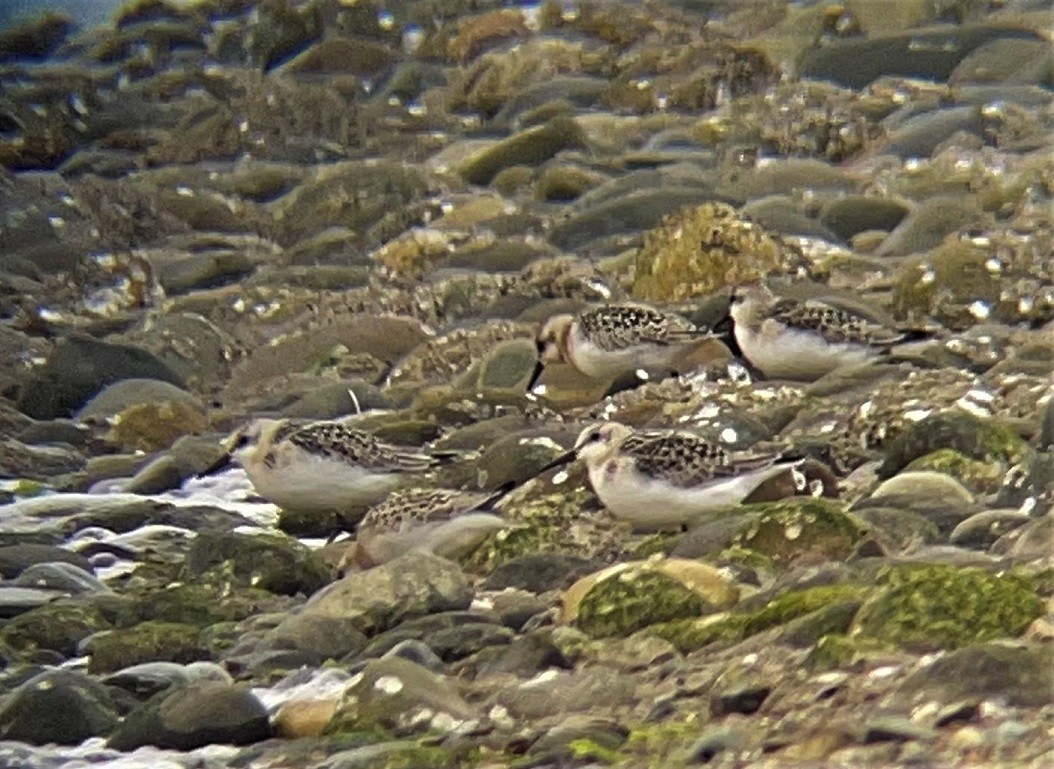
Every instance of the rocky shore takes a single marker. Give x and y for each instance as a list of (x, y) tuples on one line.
[(323, 209)]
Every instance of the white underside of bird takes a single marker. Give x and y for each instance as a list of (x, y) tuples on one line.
[(298, 480), (652, 504), (785, 353)]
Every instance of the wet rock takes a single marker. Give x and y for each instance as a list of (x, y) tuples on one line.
[(578, 737), (627, 597), (850, 215), (937, 497), (935, 607), (525, 656), (927, 225), (29, 713), (148, 678), (716, 740), (742, 698), (14, 559), (508, 366), (897, 729), (800, 531), (396, 694), (304, 718), (1006, 61), (596, 690), (529, 147), (931, 55), (336, 56), (328, 637), (898, 529), (265, 561), (539, 572), (1019, 675), (336, 399), (462, 641), (202, 713), (58, 627), (55, 431), (79, 367), (805, 613), (979, 477), (984, 440), (700, 250), (15, 600), (145, 642), (59, 575), (37, 462), (412, 585), (192, 346), (622, 216), (351, 194), (155, 426), (980, 531)]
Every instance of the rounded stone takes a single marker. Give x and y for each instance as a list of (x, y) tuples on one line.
[(58, 706)]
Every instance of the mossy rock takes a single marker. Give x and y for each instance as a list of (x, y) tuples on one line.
[(978, 476), (945, 283), (838, 650), (57, 626), (146, 642), (699, 250), (689, 635), (983, 440), (800, 530), (618, 607), (155, 426), (271, 562), (944, 607), (200, 604), (549, 523), (528, 148), (628, 597)]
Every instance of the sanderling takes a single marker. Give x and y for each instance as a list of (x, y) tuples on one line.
[(442, 521), (324, 466), (666, 480), (787, 338), (615, 339)]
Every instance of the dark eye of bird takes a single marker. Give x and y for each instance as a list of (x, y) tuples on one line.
[(241, 441)]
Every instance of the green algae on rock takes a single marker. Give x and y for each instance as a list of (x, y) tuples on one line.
[(58, 627), (146, 642), (529, 148), (627, 597), (800, 530), (271, 562), (702, 249), (622, 605), (980, 477), (687, 635), (979, 439), (944, 607)]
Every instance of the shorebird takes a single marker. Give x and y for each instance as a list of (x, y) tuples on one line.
[(324, 466), (442, 521), (661, 481), (615, 339), (787, 338)]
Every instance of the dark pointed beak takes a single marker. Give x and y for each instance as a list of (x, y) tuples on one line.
[(539, 367), (566, 458)]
